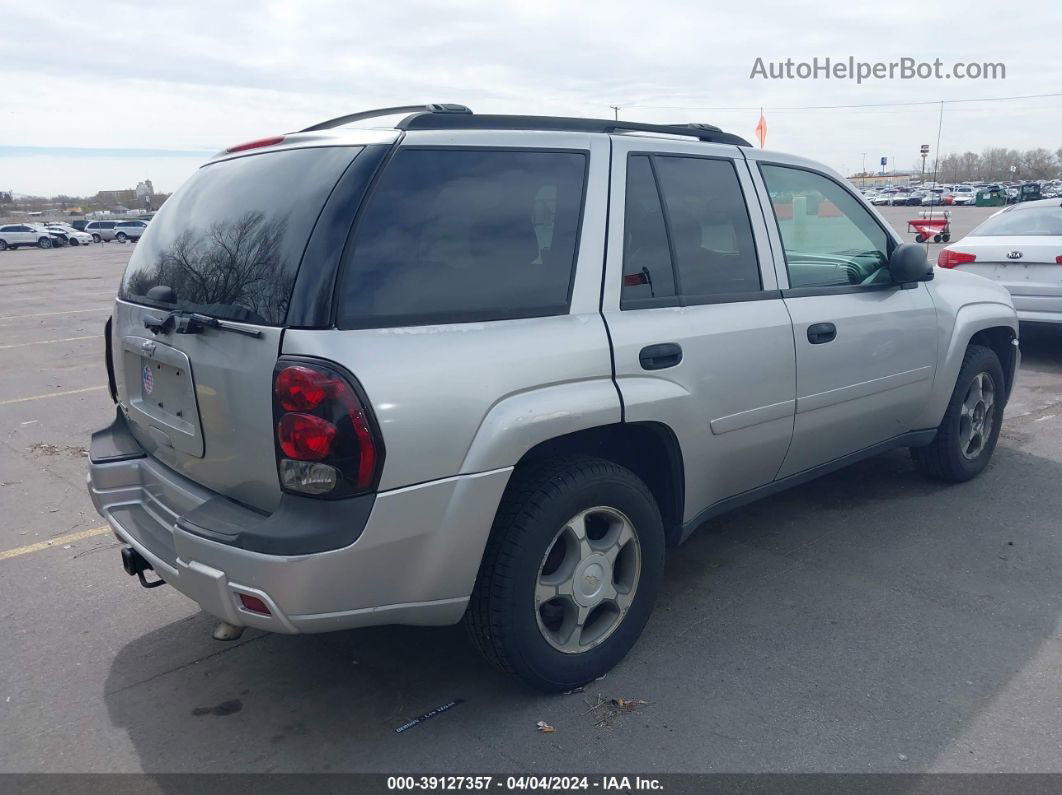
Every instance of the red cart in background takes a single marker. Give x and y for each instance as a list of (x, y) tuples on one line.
[(937, 228)]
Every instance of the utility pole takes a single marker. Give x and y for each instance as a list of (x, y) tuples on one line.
[(864, 171), (615, 111)]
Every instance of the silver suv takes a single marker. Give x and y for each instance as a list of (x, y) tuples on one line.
[(490, 368)]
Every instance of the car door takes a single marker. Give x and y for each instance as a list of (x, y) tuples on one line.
[(865, 346), (26, 235), (702, 341)]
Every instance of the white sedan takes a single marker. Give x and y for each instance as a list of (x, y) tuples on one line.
[(1021, 248), (73, 237)]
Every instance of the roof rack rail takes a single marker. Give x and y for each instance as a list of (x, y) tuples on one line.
[(469, 121), (700, 125), (433, 107)]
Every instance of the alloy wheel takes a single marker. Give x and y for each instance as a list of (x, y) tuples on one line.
[(977, 414), (587, 580)]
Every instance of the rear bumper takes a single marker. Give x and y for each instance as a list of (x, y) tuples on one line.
[(1037, 308), (415, 562)]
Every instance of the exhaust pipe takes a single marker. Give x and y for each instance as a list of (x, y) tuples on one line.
[(136, 564)]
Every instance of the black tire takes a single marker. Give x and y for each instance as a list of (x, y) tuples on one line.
[(3, 245), (44, 242), (944, 459), (937, 238), (920, 238), (96, 238), (945, 238), (121, 237), (502, 619), (74, 242)]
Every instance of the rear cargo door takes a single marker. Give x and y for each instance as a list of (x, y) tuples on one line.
[(201, 310)]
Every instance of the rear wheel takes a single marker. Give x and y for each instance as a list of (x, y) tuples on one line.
[(44, 242), (920, 238), (945, 238), (570, 573), (96, 238), (937, 238), (121, 237), (968, 433)]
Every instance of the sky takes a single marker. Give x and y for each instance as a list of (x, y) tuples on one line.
[(95, 105)]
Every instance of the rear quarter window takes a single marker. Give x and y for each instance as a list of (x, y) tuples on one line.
[(229, 242), (464, 235)]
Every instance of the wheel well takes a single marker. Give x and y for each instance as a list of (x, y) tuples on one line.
[(649, 449), (1000, 340)]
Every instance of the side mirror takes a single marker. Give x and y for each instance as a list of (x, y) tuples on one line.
[(908, 264)]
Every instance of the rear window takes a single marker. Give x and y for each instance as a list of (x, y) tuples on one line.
[(462, 235), (229, 242), (1031, 221)]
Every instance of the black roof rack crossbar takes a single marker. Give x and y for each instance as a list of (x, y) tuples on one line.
[(444, 121), (436, 107)]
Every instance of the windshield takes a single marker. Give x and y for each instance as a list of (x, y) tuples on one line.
[(1032, 221), (229, 242)]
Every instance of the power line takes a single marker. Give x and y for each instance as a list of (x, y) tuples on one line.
[(838, 107)]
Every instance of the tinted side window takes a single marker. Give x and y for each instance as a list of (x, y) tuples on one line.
[(711, 235), (461, 235), (829, 238), (647, 271)]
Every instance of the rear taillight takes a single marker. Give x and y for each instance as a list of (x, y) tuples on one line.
[(326, 441), (108, 360), (1058, 259), (949, 258), (273, 140)]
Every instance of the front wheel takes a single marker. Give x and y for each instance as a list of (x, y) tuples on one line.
[(920, 238), (968, 433), (3, 245), (570, 573)]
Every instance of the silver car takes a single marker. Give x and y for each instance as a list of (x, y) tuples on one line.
[(494, 369), (125, 231), (101, 231), (1019, 247)]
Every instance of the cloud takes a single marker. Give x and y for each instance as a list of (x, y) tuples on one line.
[(202, 75)]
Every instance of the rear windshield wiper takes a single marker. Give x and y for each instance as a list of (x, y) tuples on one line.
[(181, 321)]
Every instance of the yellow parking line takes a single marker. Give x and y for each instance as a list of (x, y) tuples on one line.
[(69, 538), (46, 314), (48, 342), (50, 395)]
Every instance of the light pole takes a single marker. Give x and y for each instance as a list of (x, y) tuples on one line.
[(864, 171), (615, 111)]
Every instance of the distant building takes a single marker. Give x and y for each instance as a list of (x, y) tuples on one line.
[(145, 190), (110, 198)]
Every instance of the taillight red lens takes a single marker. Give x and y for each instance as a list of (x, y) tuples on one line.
[(301, 388), (273, 140), (305, 437), (1058, 259), (327, 444), (949, 258)]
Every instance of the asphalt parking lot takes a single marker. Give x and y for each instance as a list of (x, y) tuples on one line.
[(868, 622)]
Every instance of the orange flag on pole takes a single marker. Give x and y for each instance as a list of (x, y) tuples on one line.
[(761, 129)]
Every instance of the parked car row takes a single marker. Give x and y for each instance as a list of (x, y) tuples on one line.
[(53, 235), (977, 193)]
